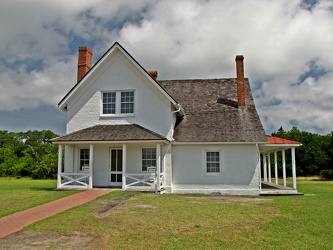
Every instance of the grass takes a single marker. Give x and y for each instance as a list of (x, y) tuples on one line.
[(20, 194), (129, 220)]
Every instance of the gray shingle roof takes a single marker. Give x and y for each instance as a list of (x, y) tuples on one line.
[(129, 132), (211, 111)]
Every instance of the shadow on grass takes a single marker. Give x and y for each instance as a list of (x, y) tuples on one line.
[(43, 189)]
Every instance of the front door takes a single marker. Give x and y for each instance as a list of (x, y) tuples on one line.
[(116, 167)]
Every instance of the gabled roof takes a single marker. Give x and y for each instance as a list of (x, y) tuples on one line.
[(116, 46), (212, 113), (129, 132)]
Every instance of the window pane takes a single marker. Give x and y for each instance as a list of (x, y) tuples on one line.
[(148, 158), (113, 160), (109, 103), (127, 102), (119, 177), (120, 160), (213, 162), (84, 157)]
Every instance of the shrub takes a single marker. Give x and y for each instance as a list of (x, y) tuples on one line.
[(327, 173)]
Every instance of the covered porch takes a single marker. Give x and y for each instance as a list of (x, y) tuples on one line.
[(271, 150), (131, 158), (120, 175)]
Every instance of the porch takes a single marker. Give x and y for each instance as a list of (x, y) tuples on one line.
[(120, 173), (277, 146)]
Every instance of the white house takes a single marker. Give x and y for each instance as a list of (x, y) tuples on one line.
[(127, 129)]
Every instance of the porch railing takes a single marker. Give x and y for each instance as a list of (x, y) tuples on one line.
[(134, 181), (74, 180)]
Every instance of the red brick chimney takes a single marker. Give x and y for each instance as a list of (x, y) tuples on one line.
[(84, 62), (153, 73), (240, 80)]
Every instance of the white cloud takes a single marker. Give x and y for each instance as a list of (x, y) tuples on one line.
[(198, 39)]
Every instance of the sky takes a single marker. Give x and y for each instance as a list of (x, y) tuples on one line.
[(287, 47)]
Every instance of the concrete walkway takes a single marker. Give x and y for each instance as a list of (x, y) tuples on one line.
[(15, 222)]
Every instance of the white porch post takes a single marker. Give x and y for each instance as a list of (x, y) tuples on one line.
[(276, 168), (91, 159), (269, 168), (293, 163), (284, 167), (259, 162), (124, 167), (59, 166), (158, 167), (265, 167)]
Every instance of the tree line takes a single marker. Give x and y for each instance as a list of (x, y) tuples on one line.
[(32, 154), (28, 154)]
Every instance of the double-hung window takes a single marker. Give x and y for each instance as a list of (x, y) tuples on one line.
[(148, 158), (213, 162), (127, 102), (84, 157), (118, 103), (109, 103)]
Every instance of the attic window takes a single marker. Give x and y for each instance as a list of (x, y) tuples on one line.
[(117, 103)]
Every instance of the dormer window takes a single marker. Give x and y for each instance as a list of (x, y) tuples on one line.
[(118, 103)]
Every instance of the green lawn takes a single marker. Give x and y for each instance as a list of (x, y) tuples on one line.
[(20, 194), (128, 220)]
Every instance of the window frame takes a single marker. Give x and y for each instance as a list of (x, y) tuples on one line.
[(118, 103), (86, 160), (212, 162), (114, 103), (148, 159), (128, 102)]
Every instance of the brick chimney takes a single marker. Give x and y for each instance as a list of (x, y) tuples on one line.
[(240, 80), (153, 73), (84, 62)]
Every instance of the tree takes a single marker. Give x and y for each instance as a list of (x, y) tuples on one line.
[(27, 153)]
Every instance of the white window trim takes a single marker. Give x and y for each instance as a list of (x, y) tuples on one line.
[(205, 162), (144, 171), (118, 103), (79, 157)]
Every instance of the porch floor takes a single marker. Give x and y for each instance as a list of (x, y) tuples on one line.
[(271, 189)]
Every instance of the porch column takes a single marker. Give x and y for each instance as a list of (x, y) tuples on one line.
[(59, 166), (276, 168), (91, 159), (259, 162), (293, 164), (284, 167), (124, 167), (265, 167), (158, 167), (269, 168)]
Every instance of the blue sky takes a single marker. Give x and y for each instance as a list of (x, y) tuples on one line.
[(287, 45)]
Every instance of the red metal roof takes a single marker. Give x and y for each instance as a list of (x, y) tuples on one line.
[(278, 140)]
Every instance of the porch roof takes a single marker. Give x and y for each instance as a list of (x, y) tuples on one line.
[(126, 132), (276, 144)]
